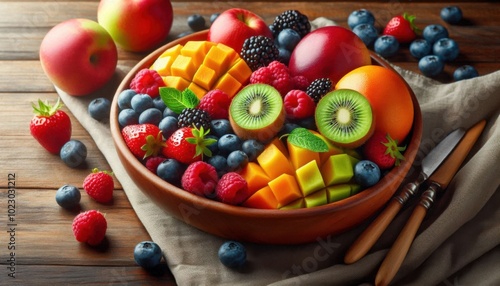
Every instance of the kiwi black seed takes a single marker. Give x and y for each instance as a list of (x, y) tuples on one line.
[(257, 112), (345, 117)]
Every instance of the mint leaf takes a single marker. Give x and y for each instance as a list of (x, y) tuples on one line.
[(177, 100), (303, 138)]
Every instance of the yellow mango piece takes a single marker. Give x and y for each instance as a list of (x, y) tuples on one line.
[(184, 67), (218, 59), (228, 84), (281, 146), (318, 198), (274, 163), (231, 54), (173, 51), (196, 50), (262, 199), (255, 176), (309, 178), (176, 82), (285, 189), (300, 156), (162, 65), (240, 71), (297, 204), (337, 170), (332, 149), (338, 192), (205, 77), (199, 91)]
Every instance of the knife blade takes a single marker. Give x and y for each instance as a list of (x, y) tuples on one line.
[(438, 181), (430, 163)]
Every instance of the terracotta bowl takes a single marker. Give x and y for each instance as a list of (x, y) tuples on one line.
[(258, 225)]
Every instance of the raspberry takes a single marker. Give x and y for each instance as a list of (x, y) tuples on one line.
[(153, 162), (147, 81), (232, 189), (99, 185), (200, 178), (216, 103), (90, 227), (262, 75), (281, 77), (300, 82), (298, 104)]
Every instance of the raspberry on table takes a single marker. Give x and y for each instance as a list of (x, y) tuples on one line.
[(99, 185), (200, 178), (147, 81), (232, 189), (216, 103), (298, 104), (90, 227)]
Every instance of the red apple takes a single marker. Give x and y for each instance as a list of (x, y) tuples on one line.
[(78, 56), (329, 52), (233, 26), (136, 25)]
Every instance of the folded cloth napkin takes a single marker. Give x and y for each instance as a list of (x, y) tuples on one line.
[(458, 243)]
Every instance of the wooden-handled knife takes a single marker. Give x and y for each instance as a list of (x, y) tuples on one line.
[(437, 182)]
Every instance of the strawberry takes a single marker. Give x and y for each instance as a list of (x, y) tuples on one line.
[(143, 140), (50, 126), (99, 185), (402, 28), (383, 150), (188, 145)]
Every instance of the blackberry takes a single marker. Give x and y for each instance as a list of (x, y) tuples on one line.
[(292, 19), (259, 51), (194, 116), (318, 88)]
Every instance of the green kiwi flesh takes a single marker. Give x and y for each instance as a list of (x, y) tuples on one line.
[(257, 112), (345, 117)]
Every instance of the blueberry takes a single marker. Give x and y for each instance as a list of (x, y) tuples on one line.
[(366, 173), (170, 170), (465, 72), (125, 97), (287, 128), (386, 46), (434, 32), (420, 48), (232, 254), (213, 17), (361, 16), (73, 153), (220, 127), (168, 125), (431, 65), (252, 148), (159, 104), (228, 143), (99, 108), (196, 22), (367, 33), (168, 112), (284, 55), (150, 115), (147, 254), (288, 39), (451, 14), (236, 160), (68, 196), (128, 116), (214, 147), (308, 123), (141, 102), (219, 163), (446, 48)]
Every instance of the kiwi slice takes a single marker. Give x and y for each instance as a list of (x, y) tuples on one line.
[(345, 117), (257, 112)]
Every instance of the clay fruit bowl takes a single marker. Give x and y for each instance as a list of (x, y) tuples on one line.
[(259, 225)]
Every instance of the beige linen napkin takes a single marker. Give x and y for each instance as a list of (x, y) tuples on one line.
[(458, 244)]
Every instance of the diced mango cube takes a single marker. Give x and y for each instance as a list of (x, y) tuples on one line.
[(205, 77), (176, 82), (240, 71), (184, 67), (309, 178), (337, 169), (228, 84), (162, 65), (300, 156), (262, 199), (338, 192), (274, 163), (281, 146), (232, 55), (218, 59), (318, 198), (196, 50), (173, 51), (255, 176), (285, 189), (199, 91), (297, 204)]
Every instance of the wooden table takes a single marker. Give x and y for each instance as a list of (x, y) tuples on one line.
[(45, 249)]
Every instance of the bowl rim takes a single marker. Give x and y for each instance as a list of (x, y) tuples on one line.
[(414, 137)]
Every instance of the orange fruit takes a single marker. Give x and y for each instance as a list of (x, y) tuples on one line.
[(388, 95)]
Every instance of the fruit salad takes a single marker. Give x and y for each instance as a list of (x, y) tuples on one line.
[(243, 128)]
